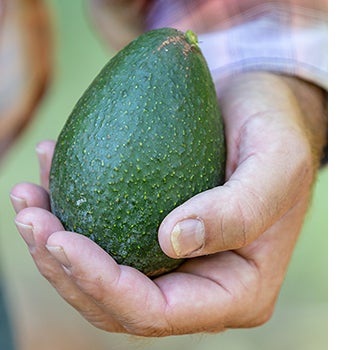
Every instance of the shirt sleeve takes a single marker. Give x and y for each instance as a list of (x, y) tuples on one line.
[(276, 37)]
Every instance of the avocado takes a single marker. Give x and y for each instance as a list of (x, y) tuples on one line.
[(146, 135)]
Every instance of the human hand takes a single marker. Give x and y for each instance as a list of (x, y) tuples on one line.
[(246, 233)]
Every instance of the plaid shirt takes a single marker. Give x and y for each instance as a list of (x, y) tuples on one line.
[(236, 36)]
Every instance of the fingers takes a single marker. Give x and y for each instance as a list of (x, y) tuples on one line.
[(128, 295), (113, 298), (44, 151), (36, 226), (26, 194)]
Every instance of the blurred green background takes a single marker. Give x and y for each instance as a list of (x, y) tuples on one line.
[(43, 321)]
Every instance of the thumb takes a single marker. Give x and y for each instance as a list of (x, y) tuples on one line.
[(212, 221), (233, 215)]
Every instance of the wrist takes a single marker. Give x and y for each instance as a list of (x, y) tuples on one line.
[(312, 101)]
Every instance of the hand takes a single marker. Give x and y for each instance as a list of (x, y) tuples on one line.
[(248, 227)]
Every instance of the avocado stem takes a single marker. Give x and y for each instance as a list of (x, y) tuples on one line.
[(191, 38)]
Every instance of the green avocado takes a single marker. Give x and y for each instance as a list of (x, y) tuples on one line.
[(145, 136)]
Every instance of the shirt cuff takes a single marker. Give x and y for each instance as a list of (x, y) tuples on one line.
[(293, 42)]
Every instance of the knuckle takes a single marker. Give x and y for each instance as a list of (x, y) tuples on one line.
[(233, 228), (249, 216)]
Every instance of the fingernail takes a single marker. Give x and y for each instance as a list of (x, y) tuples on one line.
[(39, 150), (27, 233), (187, 237), (41, 155), (59, 254), (18, 203)]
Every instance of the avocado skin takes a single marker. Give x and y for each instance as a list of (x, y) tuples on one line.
[(145, 136)]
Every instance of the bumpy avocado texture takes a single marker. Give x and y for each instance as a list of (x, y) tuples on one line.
[(145, 136)]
